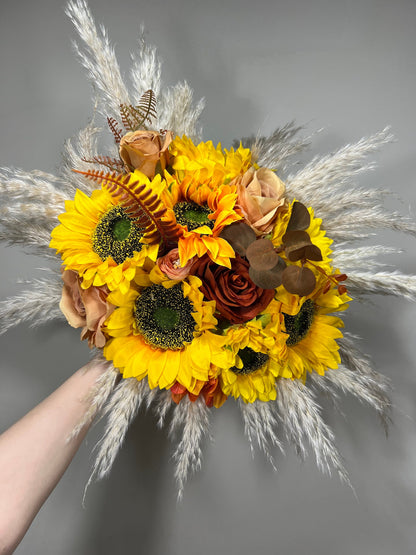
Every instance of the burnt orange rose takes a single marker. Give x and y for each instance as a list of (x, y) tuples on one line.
[(237, 298), (145, 150), (85, 308), (260, 198)]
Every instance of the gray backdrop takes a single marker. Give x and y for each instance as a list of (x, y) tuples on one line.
[(347, 66)]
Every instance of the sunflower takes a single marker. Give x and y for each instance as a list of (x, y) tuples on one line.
[(312, 334), (258, 349), (202, 214), (98, 239), (166, 334), (205, 163)]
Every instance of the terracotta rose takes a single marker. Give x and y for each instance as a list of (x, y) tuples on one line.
[(260, 196), (144, 150), (85, 308), (237, 298)]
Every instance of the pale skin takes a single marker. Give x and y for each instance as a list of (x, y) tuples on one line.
[(35, 452)]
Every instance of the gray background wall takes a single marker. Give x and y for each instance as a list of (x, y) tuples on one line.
[(347, 66)]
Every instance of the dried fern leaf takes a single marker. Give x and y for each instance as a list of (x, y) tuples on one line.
[(135, 117), (141, 204), (113, 164), (125, 117), (115, 130)]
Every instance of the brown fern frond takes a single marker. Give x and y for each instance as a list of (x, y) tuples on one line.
[(113, 164), (125, 113), (115, 130), (136, 117), (140, 203), (146, 109)]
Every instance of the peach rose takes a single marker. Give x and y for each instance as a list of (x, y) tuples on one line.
[(85, 308), (260, 198), (170, 265), (144, 150)]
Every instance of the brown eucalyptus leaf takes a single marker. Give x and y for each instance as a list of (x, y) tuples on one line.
[(299, 218), (296, 243), (261, 255), (268, 279), (298, 280), (296, 238), (312, 252), (239, 235)]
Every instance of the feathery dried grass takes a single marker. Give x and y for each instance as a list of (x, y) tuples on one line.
[(99, 394), (260, 426), (121, 410), (275, 150), (300, 415), (192, 420), (325, 176), (37, 305), (76, 151), (99, 59), (146, 70), (382, 283), (178, 112)]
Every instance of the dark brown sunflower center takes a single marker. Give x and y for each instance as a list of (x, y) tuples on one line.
[(193, 215), (298, 326), (251, 360), (116, 235), (164, 317)]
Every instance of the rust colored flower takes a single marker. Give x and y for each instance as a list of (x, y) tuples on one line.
[(144, 150), (260, 197), (170, 265), (237, 298), (85, 308), (210, 391)]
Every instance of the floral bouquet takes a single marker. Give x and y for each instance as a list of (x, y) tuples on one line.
[(200, 274)]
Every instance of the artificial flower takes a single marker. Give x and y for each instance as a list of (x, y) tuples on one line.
[(236, 297), (260, 197), (146, 151), (99, 240), (170, 265), (166, 334), (205, 163), (202, 214), (85, 308)]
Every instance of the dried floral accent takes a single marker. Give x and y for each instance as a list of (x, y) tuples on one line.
[(140, 203), (146, 151), (113, 164), (260, 198), (136, 117), (85, 308), (115, 129), (237, 298)]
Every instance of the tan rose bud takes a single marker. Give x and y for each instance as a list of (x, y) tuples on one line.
[(144, 150), (260, 198), (170, 265), (85, 308)]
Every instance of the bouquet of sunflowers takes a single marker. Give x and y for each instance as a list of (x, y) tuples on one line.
[(198, 273), (187, 265)]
